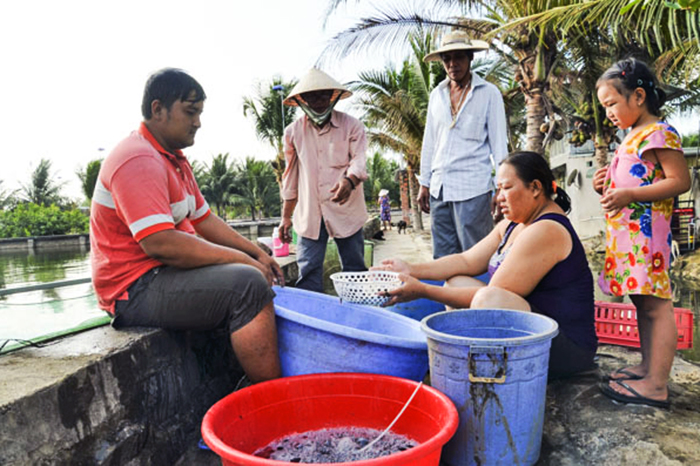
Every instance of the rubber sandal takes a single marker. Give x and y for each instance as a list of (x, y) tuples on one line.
[(627, 375), (636, 399)]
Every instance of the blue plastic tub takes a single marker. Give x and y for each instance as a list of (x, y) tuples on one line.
[(493, 366), (319, 334), (419, 308), (423, 307)]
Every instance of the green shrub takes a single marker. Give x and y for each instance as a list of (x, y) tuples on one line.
[(38, 220)]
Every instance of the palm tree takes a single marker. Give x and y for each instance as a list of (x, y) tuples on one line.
[(43, 189), (532, 51), (380, 175), (395, 105), (590, 50), (88, 177), (256, 189), (6, 198), (270, 117), (217, 182), (395, 102), (500, 73)]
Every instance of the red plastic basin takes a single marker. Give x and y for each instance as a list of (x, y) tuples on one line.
[(251, 418)]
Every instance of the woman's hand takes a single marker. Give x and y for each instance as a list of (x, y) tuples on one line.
[(616, 199), (394, 265), (410, 289), (599, 179)]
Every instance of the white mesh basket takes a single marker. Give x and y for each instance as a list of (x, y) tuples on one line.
[(364, 287)]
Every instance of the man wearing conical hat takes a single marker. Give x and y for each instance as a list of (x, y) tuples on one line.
[(322, 184), (465, 140)]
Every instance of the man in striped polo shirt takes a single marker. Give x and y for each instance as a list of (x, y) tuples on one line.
[(160, 257)]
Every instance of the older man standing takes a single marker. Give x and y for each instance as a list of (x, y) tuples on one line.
[(321, 186), (465, 139)]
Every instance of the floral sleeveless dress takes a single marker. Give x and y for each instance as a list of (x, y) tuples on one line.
[(638, 238), (385, 209)]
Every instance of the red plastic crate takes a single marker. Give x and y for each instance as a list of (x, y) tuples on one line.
[(616, 323)]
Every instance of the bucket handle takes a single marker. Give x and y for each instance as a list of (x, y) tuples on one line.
[(499, 350)]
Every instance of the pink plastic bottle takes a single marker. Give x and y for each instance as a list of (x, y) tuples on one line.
[(279, 249)]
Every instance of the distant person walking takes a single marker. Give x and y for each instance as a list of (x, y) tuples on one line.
[(465, 128), (384, 209), (646, 173), (160, 257), (325, 151)]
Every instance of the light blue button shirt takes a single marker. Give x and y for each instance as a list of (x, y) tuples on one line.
[(458, 158)]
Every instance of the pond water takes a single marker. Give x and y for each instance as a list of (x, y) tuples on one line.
[(32, 314)]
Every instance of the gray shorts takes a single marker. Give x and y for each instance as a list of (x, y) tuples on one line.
[(218, 296)]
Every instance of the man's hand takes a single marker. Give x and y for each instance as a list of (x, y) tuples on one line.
[(599, 179), (271, 270), (424, 199), (342, 190), (285, 230)]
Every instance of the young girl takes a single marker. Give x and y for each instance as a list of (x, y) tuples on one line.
[(646, 173), (385, 208)]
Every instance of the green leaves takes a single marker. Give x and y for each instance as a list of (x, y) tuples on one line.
[(43, 188), (245, 187), (38, 220), (88, 177)]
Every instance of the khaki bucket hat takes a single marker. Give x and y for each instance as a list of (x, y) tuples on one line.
[(456, 40), (316, 80)]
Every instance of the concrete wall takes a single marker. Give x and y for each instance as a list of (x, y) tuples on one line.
[(254, 230), (586, 214), (37, 243), (111, 397), (251, 230)]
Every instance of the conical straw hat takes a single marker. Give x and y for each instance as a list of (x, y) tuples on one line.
[(456, 40), (316, 80)]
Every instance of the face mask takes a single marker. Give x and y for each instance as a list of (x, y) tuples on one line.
[(318, 119)]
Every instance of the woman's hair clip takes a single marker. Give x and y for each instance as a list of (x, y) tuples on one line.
[(623, 73), (640, 82)]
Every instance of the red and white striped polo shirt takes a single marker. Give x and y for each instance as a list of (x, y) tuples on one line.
[(141, 189)]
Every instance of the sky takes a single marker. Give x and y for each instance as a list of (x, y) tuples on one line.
[(73, 72)]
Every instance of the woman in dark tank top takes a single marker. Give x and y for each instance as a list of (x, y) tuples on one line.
[(535, 261)]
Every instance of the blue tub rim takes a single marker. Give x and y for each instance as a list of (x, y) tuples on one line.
[(548, 334), (351, 332), (420, 343)]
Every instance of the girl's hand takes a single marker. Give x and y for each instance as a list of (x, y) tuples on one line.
[(599, 179), (410, 289), (615, 199), (393, 265)]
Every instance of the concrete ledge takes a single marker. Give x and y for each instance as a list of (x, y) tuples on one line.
[(108, 397), (111, 397)]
